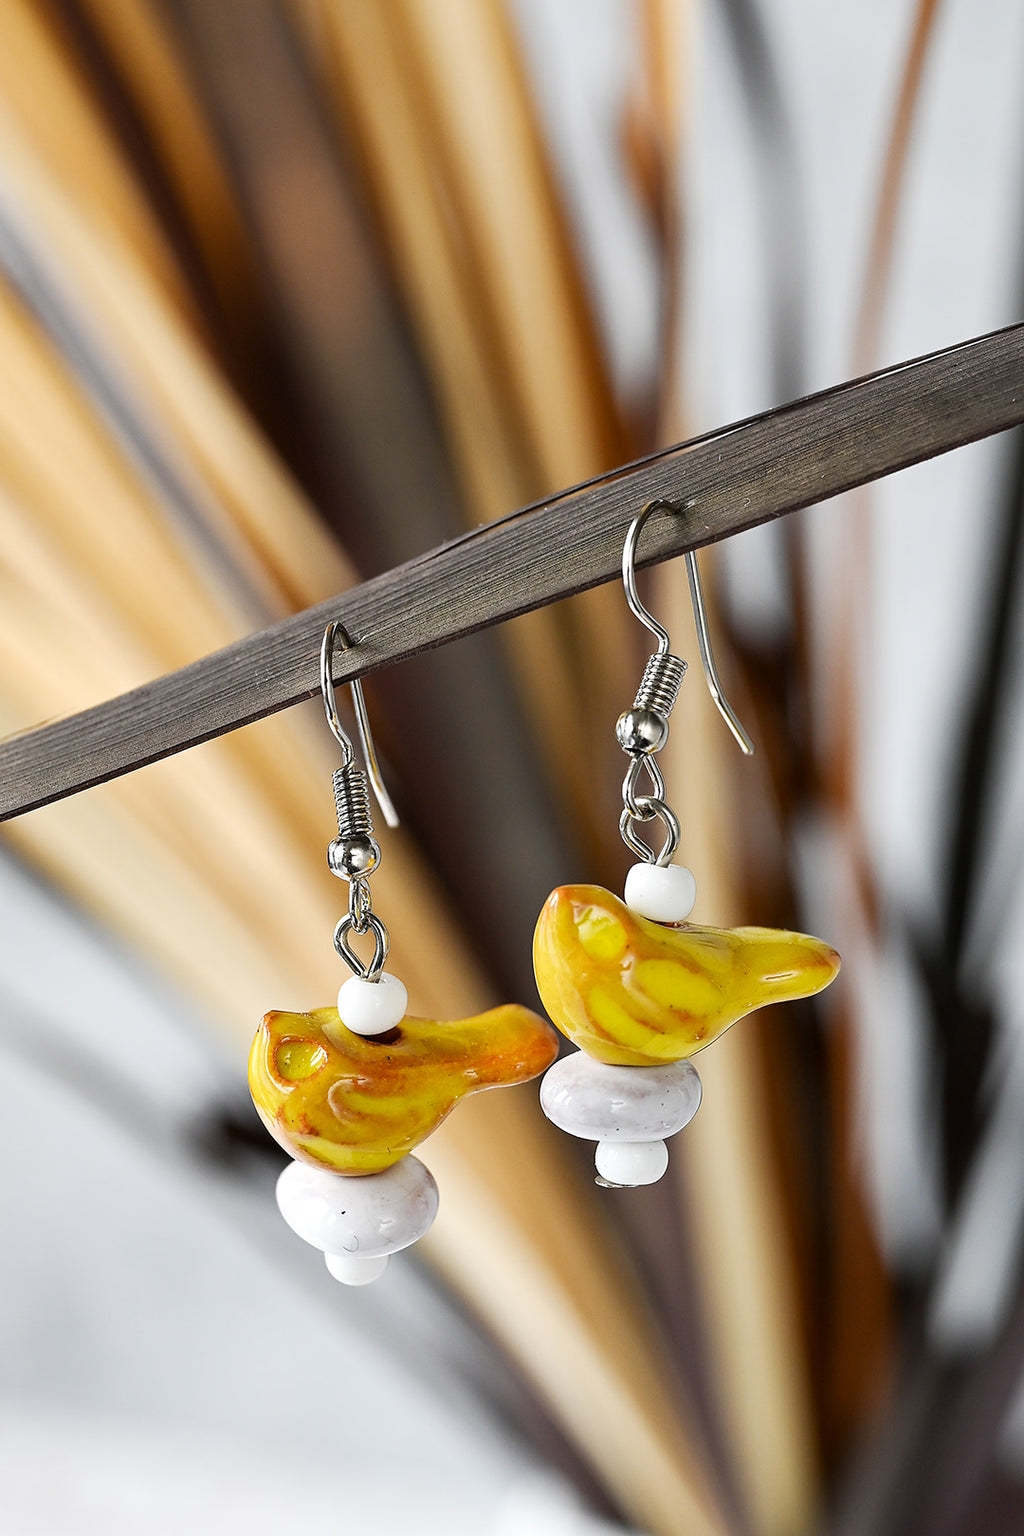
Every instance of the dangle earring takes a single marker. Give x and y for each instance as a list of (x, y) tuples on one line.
[(349, 1091), (632, 983)]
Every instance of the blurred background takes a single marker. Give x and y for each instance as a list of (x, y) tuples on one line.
[(290, 291)]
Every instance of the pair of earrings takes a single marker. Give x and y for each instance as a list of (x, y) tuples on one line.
[(350, 1091)]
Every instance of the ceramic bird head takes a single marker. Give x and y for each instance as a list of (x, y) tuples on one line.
[(355, 1105), (632, 992)]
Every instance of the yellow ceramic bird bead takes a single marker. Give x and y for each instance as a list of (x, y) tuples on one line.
[(632, 992), (355, 1105)]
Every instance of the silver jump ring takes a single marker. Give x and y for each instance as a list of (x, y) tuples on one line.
[(360, 905), (382, 943), (651, 808), (630, 797)]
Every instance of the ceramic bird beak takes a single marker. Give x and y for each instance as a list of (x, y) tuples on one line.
[(632, 992), (356, 1105)]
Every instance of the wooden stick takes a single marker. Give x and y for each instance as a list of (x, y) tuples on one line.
[(726, 482)]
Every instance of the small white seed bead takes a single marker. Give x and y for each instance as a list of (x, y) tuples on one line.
[(631, 1162), (664, 895), (354, 1269), (372, 1007), (370, 1215)]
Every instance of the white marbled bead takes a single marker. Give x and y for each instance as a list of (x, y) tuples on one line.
[(372, 1007), (376, 1214), (353, 1269), (664, 895), (599, 1102), (631, 1162)]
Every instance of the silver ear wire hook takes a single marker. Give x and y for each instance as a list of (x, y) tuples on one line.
[(354, 854), (725, 709), (629, 575), (700, 618), (336, 633), (643, 730)]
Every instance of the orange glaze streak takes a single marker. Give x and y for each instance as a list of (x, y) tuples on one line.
[(364, 1107)]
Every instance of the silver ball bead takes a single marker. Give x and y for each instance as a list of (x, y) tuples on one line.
[(640, 731), (351, 858)]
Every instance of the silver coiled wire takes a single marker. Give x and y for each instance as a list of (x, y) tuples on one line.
[(660, 684), (352, 801)]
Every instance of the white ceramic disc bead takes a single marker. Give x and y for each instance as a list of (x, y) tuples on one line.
[(369, 1216), (664, 895), (631, 1162), (353, 1269), (372, 1007), (603, 1103)]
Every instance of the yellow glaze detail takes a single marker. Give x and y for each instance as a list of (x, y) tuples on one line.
[(357, 1105), (601, 934), (296, 1059), (633, 992)]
